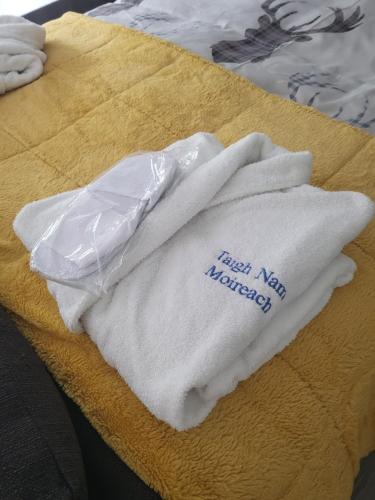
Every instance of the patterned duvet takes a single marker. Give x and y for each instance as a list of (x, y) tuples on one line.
[(317, 52)]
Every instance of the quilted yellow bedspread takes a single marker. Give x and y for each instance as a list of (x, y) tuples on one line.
[(298, 427)]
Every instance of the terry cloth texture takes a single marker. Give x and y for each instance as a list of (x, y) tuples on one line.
[(21, 56), (297, 428), (183, 349)]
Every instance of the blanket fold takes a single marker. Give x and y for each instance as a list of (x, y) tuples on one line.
[(248, 254), (21, 52)]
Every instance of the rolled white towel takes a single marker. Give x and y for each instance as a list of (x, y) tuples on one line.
[(21, 54)]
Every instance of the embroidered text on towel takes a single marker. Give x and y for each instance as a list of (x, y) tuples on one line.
[(233, 264), (240, 288), (268, 277)]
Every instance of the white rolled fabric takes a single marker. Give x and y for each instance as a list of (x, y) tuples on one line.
[(21, 52)]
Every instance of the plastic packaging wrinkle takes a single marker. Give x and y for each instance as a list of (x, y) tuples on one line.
[(102, 217), (98, 222)]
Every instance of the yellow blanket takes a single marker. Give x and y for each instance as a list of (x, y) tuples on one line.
[(297, 428)]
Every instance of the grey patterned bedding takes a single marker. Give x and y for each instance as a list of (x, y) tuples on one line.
[(317, 52)]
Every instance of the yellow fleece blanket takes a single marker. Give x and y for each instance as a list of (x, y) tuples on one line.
[(298, 427)]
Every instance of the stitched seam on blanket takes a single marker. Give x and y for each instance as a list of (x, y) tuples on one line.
[(94, 49), (40, 158), (322, 338), (82, 54), (60, 66), (356, 244), (150, 117), (18, 142), (297, 477), (351, 157), (143, 80), (307, 383), (292, 484), (356, 384), (234, 117), (119, 93), (29, 147), (63, 174)]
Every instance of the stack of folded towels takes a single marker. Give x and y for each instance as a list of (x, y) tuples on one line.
[(228, 254), (21, 52)]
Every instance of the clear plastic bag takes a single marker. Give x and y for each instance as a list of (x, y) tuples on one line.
[(85, 244), (99, 221)]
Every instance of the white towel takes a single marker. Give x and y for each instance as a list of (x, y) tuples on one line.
[(214, 290), (21, 52)]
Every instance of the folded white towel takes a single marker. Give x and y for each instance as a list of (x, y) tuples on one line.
[(238, 268), (21, 55)]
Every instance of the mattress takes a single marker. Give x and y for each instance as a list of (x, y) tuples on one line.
[(314, 52)]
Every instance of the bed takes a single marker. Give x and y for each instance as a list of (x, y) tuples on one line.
[(153, 94)]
